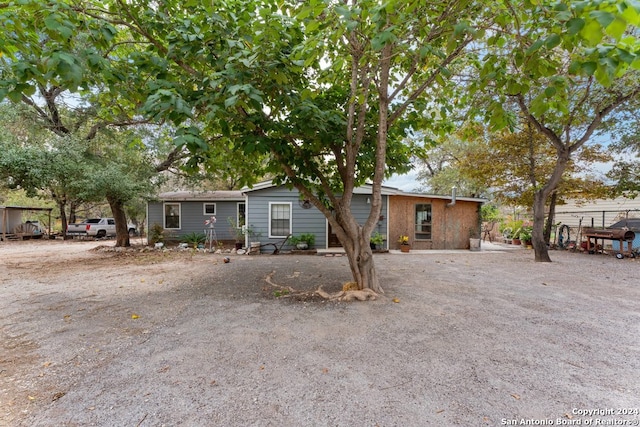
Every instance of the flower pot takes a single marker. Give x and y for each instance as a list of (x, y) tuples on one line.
[(302, 245), (474, 244), (405, 248)]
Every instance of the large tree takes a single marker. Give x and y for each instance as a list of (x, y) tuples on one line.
[(565, 67), (452, 163), (73, 171), (55, 69), (325, 89)]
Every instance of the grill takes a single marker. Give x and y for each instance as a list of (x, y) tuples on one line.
[(620, 235)]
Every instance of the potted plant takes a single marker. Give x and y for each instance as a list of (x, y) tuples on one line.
[(236, 231), (507, 234), (194, 239), (474, 239), (515, 239), (303, 241), (376, 241), (404, 243), (525, 236)]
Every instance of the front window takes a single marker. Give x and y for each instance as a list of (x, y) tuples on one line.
[(172, 215), (423, 222), (279, 219)]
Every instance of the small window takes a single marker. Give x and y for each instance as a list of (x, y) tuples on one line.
[(423, 222), (242, 214), (279, 219), (172, 215), (208, 208)]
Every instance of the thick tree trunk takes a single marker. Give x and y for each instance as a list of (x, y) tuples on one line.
[(63, 217), (537, 238), (122, 231), (548, 225), (72, 212), (361, 263), (356, 240), (539, 202)]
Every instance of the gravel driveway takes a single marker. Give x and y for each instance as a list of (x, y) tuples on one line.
[(93, 337)]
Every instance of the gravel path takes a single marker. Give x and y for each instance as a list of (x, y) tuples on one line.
[(92, 337)]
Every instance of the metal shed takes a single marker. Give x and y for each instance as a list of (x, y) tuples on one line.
[(11, 219)]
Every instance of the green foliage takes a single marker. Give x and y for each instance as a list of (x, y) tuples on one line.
[(490, 213), (377, 238), (545, 51), (524, 233), (237, 231), (156, 234), (308, 238), (280, 293), (512, 227), (320, 94), (194, 238)]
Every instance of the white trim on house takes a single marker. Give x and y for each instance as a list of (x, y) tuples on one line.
[(244, 202), (277, 236), (164, 215), (204, 208)]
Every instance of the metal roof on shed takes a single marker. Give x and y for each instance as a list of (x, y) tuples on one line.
[(630, 223)]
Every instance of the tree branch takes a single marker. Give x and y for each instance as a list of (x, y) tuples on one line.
[(555, 139), (175, 155), (98, 126), (448, 60)]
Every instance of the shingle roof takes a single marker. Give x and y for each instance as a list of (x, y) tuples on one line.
[(201, 195)]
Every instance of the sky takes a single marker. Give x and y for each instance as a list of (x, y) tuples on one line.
[(406, 182)]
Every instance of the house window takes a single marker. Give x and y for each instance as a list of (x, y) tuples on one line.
[(423, 222), (242, 215), (279, 219), (172, 215), (208, 208)]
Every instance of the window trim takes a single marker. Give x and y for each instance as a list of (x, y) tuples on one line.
[(290, 205), (164, 215), (204, 208), (416, 225), (244, 223)]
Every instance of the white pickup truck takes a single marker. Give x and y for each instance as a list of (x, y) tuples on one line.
[(97, 227)]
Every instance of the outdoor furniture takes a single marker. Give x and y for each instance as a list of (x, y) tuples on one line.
[(27, 231)]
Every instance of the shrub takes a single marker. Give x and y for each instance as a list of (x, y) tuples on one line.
[(310, 238), (194, 239), (156, 234)]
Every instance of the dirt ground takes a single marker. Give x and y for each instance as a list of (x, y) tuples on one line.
[(100, 338)]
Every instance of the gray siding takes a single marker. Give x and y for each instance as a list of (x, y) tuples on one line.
[(302, 220), (192, 217)]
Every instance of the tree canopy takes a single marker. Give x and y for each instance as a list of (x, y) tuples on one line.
[(323, 94), (564, 67)]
